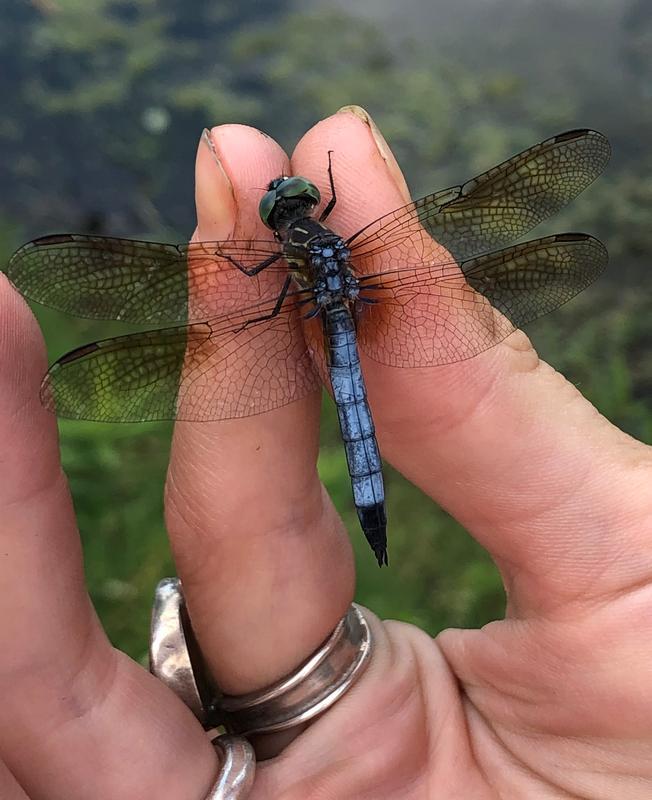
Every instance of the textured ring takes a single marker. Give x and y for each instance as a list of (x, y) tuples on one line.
[(174, 659), (170, 649)]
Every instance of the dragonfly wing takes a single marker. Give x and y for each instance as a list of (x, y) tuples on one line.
[(438, 314), (219, 369), (488, 212), (101, 277)]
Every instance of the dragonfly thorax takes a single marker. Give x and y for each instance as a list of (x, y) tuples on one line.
[(332, 278)]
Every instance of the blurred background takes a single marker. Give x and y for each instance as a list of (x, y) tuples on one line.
[(103, 103)]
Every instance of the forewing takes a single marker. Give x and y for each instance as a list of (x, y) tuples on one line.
[(220, 369), (101, 277), (444, 313), (485, 213)]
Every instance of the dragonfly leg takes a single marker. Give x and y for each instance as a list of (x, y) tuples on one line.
[(277, 306), (331, 203), (253, 270)]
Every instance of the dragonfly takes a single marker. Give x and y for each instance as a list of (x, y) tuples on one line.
[(434, 282)]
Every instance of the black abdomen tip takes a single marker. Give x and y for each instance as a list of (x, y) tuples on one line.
[(373, 521), (381, 556)]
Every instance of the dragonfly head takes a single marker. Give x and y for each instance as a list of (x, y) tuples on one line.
[(286, 200)]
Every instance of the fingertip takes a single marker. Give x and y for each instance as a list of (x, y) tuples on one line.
[(233, 167), (368, 180), (383, 148)]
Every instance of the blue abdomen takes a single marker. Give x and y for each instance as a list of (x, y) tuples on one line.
[(356, 424)]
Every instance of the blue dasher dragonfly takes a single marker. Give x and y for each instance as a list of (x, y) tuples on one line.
[(424, 285)]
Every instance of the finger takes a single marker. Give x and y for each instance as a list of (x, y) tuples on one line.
[(9, 788), (78, 719), (266, 566), (501, 441)]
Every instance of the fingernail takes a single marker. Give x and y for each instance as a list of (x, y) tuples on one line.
[(214, 194), (207, 139), (383, 148)]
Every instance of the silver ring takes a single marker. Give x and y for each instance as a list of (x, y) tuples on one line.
[(171, 661), (238, 765), (169, 650), (311, 689), (293, 701)]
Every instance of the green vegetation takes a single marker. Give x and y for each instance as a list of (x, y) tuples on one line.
[(103, 104)]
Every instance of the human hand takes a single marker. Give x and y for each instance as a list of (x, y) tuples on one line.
[(552, 702)]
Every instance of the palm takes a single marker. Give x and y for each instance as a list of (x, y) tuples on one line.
[(516, 710)]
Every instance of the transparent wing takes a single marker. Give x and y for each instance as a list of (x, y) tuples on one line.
[(219, 369), (446, 313), (488, 212), (100, 277)]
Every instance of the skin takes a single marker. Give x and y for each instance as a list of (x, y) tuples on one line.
[(555, 701)]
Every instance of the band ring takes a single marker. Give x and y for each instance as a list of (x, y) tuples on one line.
[(308, 691), (296, 699), (237, 770)]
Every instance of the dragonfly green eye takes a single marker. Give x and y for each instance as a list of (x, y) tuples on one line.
[(298, 189), (266, 206)]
